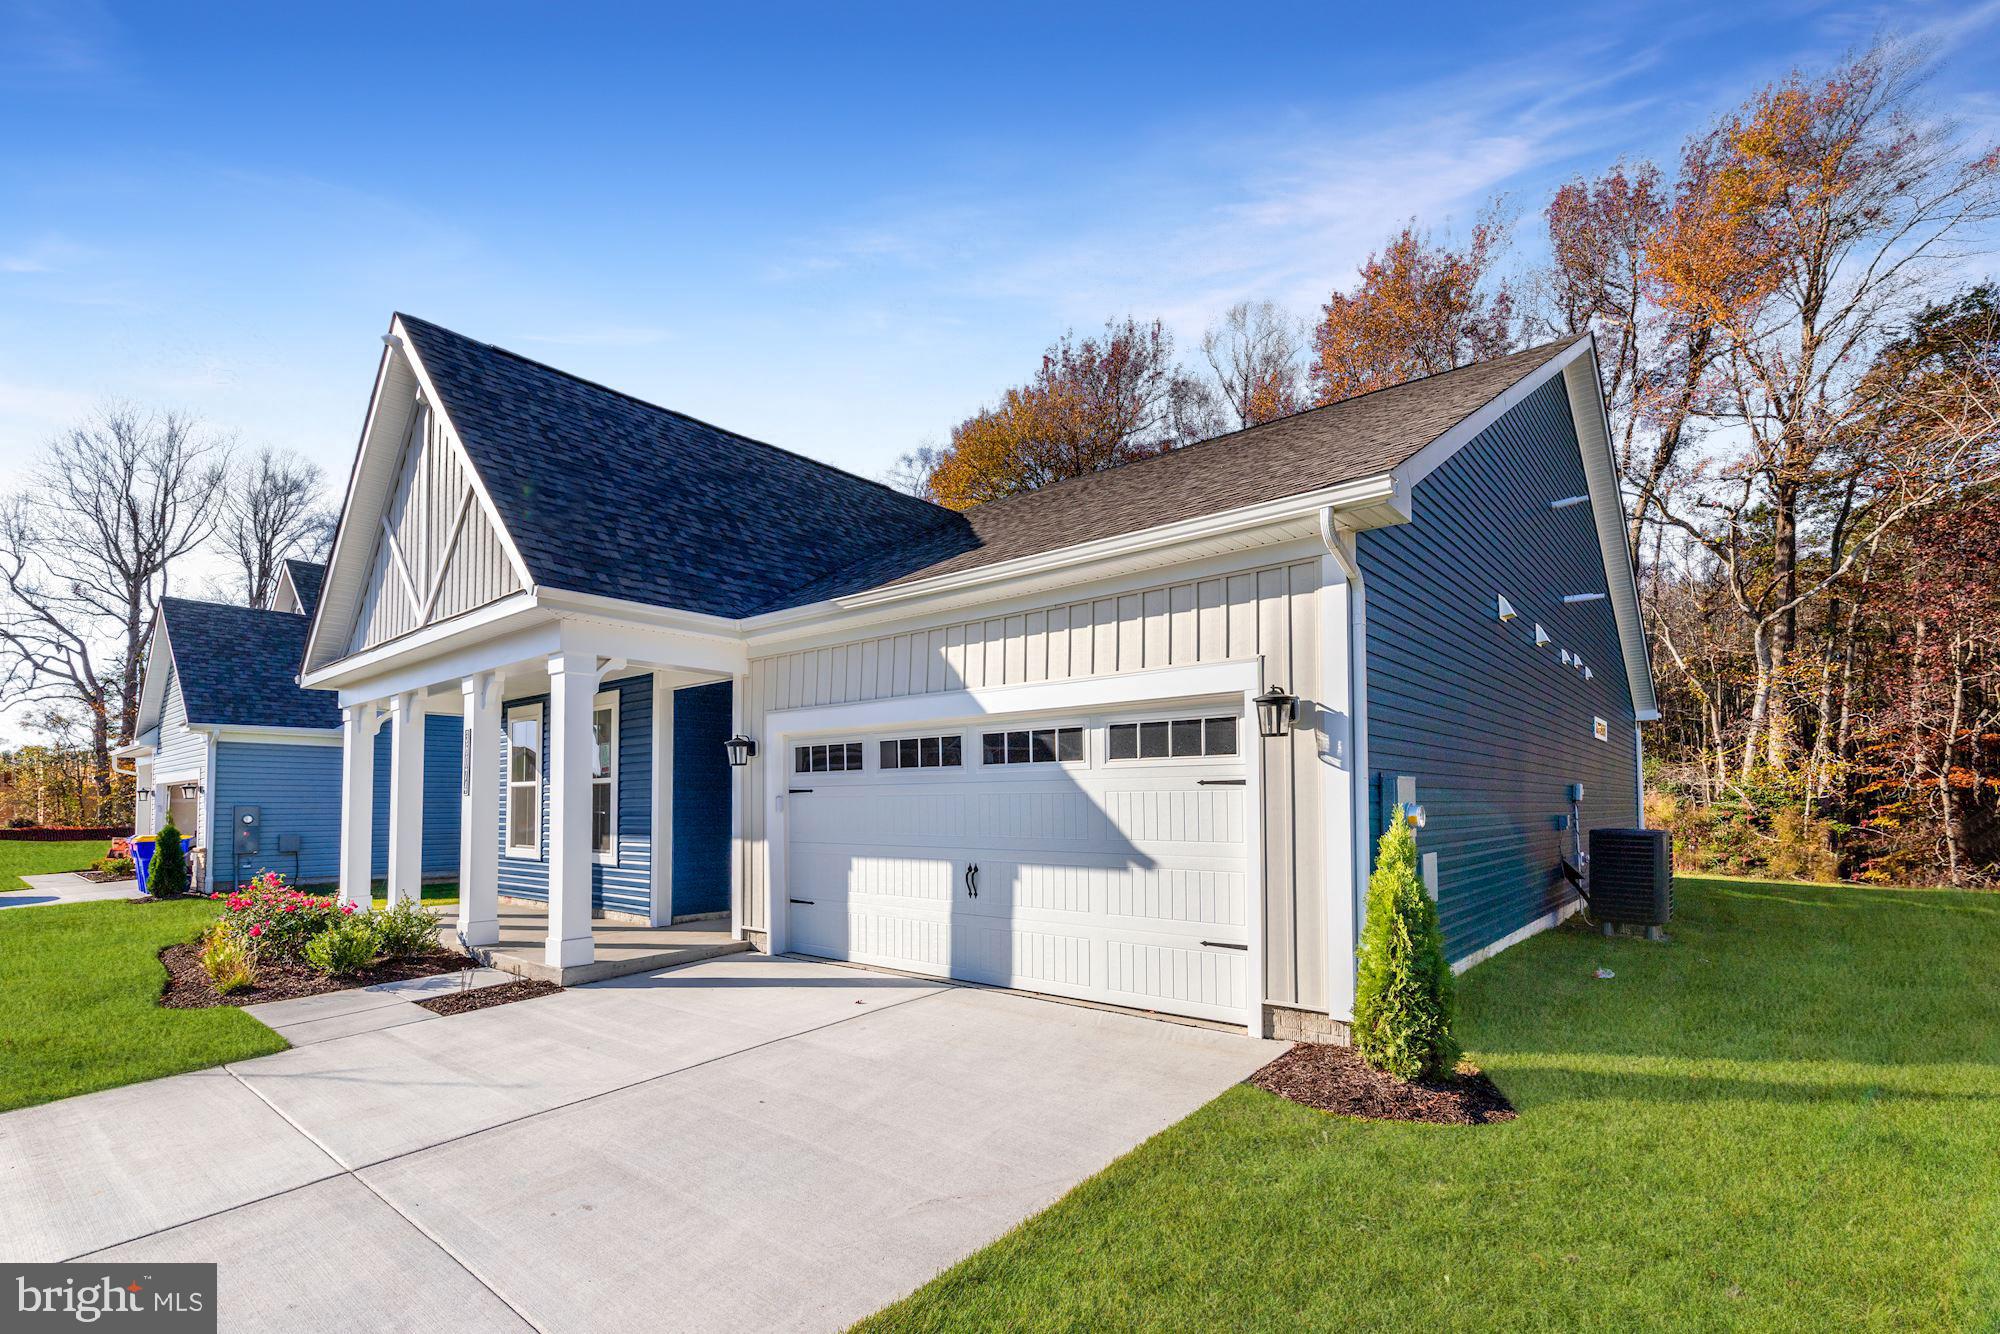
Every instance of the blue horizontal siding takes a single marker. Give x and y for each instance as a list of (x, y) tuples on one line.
[(1492, 728), (296, 790), (443, 749), (701, 799), (626, 886)]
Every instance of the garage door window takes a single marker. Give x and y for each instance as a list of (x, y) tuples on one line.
[(1043, 745), (923, 752), (1172, 738), (838, 757)]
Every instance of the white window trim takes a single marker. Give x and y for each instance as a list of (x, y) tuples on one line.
[(612, 700), (523, 852)]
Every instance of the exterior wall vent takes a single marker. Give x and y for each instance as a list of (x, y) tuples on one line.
[(1541, 637), (1507, 612)]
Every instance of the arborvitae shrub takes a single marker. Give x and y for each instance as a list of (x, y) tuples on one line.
[(169, 876), (1403, 992)]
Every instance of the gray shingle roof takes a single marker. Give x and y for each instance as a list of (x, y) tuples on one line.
[(1355, 438), (604, 493), (307, 577), (238, 666)]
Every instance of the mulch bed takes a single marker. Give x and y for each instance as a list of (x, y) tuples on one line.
[(459, 1002), (107, 877), (1336, 1079), (188, 987)]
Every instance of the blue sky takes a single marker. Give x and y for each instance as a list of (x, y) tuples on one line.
[(837, 230)]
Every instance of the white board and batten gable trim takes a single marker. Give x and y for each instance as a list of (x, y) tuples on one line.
[(420, 540)]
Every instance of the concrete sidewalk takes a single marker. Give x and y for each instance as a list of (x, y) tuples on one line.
[(65, 887), (744, 1143)]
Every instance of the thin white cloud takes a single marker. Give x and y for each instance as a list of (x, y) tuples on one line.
[(612, 335)]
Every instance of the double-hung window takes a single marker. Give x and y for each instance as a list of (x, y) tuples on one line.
[(524, 780), (604, 777)]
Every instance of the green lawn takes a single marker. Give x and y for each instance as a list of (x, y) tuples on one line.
[(1786, 1118), (19, 857), (78, 986), (79, 982)]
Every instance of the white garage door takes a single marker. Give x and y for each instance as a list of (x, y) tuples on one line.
[(1104, 857)]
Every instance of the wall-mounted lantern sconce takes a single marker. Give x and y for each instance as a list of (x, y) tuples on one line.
[(1276, 711), (1507, 612), (740, 749), (189, 791)]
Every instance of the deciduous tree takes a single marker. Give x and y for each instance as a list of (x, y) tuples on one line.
[(1420, 307), (1096, 402), (1256, 351), (273, 507)]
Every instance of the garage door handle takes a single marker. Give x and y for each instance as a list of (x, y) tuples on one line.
[(807, 902), (972, 880), (1224, 945), (1220, 782), (798, 791)]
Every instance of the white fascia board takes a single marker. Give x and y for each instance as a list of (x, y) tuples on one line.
[(153, 681), (273, 736), (139, 749), (1366, 502), (502, 617), (648, 614), (1607, 507)]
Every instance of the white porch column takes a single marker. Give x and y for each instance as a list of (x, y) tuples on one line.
[(479, 812), (406, 797), (572, 687), (663, 800), (357, 805)]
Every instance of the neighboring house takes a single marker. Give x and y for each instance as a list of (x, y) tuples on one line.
[(225, 731), (1018, 745)]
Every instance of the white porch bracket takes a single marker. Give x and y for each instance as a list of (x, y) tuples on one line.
[(479, 812)]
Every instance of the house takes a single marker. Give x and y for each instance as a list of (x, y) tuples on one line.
[(1129, 739), (224, 731)]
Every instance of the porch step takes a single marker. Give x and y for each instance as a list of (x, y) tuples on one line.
[(621, 962)]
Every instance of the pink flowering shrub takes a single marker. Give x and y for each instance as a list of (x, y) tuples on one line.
[(278, 919)]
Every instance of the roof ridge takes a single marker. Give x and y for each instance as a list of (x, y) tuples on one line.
[(1275, 421), (671, 412)]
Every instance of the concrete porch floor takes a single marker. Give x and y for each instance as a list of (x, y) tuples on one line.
[(622, 947)]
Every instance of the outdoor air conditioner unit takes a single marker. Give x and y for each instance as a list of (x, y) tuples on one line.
[(1631, 877)]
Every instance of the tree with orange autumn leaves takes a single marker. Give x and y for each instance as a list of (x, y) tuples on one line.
[(1792, 486)]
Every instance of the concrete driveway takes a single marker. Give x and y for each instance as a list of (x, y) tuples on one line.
[(748, 1143)]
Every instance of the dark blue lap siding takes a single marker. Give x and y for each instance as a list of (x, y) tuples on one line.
[(701, 799), (1493, 728)]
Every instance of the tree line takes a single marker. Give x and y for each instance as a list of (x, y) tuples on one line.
[(111, 512), (1801, 362)]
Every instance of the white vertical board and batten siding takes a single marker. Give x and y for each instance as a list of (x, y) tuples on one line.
[(1268, 611), (445, 537)]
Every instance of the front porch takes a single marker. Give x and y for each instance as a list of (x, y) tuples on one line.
[(621, 947)]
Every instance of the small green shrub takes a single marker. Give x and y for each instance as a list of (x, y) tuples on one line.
[(113, 866), (229, 958), (406, 929), (168, 878), (1403, 992), (342, 950)]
